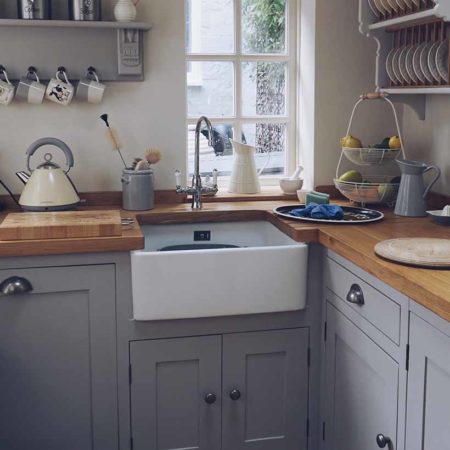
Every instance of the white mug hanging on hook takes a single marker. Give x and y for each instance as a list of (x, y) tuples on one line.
[(89, 88), (7, 89), (59, 90), (30, 88)]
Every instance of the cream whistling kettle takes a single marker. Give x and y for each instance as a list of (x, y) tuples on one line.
[(48, 187)]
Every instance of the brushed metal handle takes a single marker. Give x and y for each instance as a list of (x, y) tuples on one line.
[(355, 295), (383, 441), (15, 286)]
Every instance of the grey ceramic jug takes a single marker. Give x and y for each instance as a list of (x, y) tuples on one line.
[(411, 200)]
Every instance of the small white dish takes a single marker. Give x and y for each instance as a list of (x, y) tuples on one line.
[(432, 62), (289, 186), (442, 60)]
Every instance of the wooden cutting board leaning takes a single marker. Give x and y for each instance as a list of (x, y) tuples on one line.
[(60, 225)]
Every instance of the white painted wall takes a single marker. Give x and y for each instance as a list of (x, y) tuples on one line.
[(429, 140), (151, 113), (345, 67)]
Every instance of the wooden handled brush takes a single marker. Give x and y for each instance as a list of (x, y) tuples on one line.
[(113, 138)]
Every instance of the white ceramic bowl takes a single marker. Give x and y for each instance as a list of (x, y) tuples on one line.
[(289, 186)]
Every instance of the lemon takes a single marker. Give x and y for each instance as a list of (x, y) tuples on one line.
[(352, 176), (351, 142), (395, 143)]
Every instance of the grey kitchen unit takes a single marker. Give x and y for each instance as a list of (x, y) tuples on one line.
[(428, 406), (233, 392), (364, 360), (58, 374)]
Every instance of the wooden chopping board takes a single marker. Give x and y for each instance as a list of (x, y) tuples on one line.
[(60, 225), (423, 252)]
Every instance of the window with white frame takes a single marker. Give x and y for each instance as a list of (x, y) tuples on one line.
[(241, 60)]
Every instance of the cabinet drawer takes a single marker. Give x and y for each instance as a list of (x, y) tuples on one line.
[(380, 310)]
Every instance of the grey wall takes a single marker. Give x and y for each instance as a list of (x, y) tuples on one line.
[(429, 140)]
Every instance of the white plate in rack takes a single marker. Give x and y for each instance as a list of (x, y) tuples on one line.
[(409, 63), (395, 65), (389, 70), (442, 60), (432, 62), (416, 63), (393, 6), (373, 8), (379, 7), (402, 65), (401, 5), (424, 62)]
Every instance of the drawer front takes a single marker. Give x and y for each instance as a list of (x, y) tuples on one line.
[(381, 311)]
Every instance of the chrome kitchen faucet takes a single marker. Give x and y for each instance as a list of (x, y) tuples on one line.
[(197, 189)]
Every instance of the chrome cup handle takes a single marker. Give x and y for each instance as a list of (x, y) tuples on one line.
[(15, 286)]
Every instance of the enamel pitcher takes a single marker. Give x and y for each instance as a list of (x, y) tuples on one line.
[(244, 177), (411, 200)]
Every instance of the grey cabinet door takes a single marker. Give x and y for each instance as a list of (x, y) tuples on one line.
[(270, 371), (428, 406), (361, 388), (58, 385), (170, 379)]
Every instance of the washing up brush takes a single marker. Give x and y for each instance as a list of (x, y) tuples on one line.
[(113, 138), (152, 156)]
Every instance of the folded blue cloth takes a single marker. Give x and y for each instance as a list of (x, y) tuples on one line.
[(316, 211)]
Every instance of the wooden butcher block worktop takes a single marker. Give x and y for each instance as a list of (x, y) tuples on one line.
[(430, 288)]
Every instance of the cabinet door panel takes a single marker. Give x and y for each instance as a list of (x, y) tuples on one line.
[(170, 379), (428, 415), (270, 370), (361, 387), (58, 385)]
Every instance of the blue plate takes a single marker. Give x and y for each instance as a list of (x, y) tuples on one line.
[(439, 218), (352, 215)]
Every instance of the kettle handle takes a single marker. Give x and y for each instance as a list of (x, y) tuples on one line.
[(433, 181), (51, 141)]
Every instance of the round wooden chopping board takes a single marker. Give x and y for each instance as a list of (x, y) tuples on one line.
[(424, 252)]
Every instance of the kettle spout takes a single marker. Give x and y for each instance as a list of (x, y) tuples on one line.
[(23, 176)]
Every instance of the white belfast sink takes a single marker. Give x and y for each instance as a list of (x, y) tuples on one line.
[(267, 273)]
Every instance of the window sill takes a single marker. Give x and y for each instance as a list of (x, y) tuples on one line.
[(268, 193)]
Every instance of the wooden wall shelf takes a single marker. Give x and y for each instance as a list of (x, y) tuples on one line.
[(75, 24)]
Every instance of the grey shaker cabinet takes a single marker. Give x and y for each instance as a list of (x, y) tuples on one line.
[(171, 379), (361, 387), (259, 381), (428, 405), (270, 372), (58, 385)]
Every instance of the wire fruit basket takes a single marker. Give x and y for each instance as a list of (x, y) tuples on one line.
[(379, 189), (374, 189)]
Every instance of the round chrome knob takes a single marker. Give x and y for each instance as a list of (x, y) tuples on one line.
[(15, 286), (384, 441), (235, 394), (210, 398)]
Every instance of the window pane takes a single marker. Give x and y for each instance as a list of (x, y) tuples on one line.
[(209, 26), (213, 93), (270, 142), (263, 89), (220, 157), (264, 26)]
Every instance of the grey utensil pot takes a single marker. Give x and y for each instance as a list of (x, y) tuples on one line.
[(85, 10), (138, 193), (34, 9), (411, 200)]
